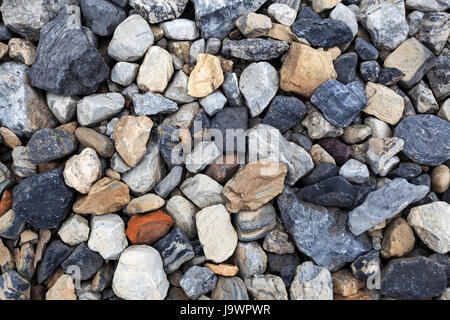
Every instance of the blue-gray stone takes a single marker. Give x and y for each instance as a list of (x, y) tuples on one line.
[(369, 71), (230, 88), (323, 171), (14, 228), (170, 182), (101, 16), (149, 104), (367, 265), (256, 224), (198, 281), (332, 192), (365, 50), (88, 262), (423, 179), (231, 123), (51, 144), (55, 253), (407, 170), (157, 11), (284, 113), (169, 140), (13, 286), (345, 66), (230, 288), (390, 76), (255, 49)]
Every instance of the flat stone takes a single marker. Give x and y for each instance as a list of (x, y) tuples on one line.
[(333, 192), (82, 257), (183, 213), (159, 10), (151, 104), (253, 25), (107, 236), (254, 49), (434, 31), (148, 228), (74, 230), (396, 196), (145, 203), (206, 77), (178, 88), (55, 253), (345, 284), (180, 29), (230, 88), (83, 170), (203, 154), (345, 66), (250, 258), (11, 225), (230, 288), (377, 97), (406, 170), (47, 145), (98, 107), (254, 225), (92, 139), (202, 191), (198, 281), (390, 76), (321, 172), (124, 73), (311, 282), (102, 17), (281, 32), (398, 239), (155, 71)]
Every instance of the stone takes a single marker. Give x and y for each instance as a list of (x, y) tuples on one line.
[(266, 287), (203, 154), (43, 200), (213, 103), (250, 258), (305, 69), (324, 33), (427, 6), (413, 278), (223, 269), (92, 139), (321, 172), (281, 32), (254, 49), (198, 281), (202, 191), (178, 88), (216, 233), (230, 88), (212, 46), (338, 150), (74, 230), (254, 225), (253, 25), (425, 138), (180, 29), (102, 278), (155, 71), (124, 73), (183, 213), (206, 77), (159, 10), (278, 242), (319, 154), (439, 75), (151, 104), (344, 14), (345, 66), (6, 259), (333, 192), (64, 56), (345, 284), (107, 236), (148, 228), (339, 103), (396, 196), (422, 98), (184, 117), (98, 107), (284, 113), (47, 145), (369, 71), (175, 249), (431, 223), (383, 103), (22, 50), (9, 138), (355, 172), (63, 108), (230, 288), (282, 13), (23, 110), (6, 202), (143, 204), (311, 282), (413, 59), (197, 47), (228, 128), (440, 179), (434, 31), (83, 170), (319, 232), (390, 76), (406, 170), (170, 182), (398, 239), (11, 225), (356, 133), (380, 151), (87, 261), (139, 275), (55, 253), (379, 128), (317, 126), (131, 39), (102, 17), (13, 286), (367, 265), (414, 19)]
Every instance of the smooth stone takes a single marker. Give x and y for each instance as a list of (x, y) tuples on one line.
[(180, 29), (155, 71), (74, 230), (369, 71), (178, 88), (98, 107), (365, 50), (284, 112), (406, 170), (254, 225), (250, 258), (202, 191), (440, 178), (86, 260), (345, 66), (254, 49), (170, 182), (107, 236), (380, 129), (428, 5), (333, 192), (183, 213), (83, 170), (355, 172), (64, 108), (124, 73), (13, 286), (101, 16), (143, 204), (230, 288), (311, 282), (159, 10), (198, 281), (92, 139), (324, 33), (148, 228), (55, 253)]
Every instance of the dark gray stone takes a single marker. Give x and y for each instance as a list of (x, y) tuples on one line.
[(426, 139), (320, 233), (88, 262), (43, 200), (333, 192), (284, 113), (5, 33), (47, 145), (367, 265), (345, 66), (443, 259), (439, 76), (433, 31), (14, 228), (170, 182), (122, 3), (232, 124), (169, 138), (198, 281), (308, 13), (101, 16), (406, 170), (13, 286), (362, 191), (390, 76), (230, 88), (202, 122), (365, 50), (369, 71), (55, 253), (255, 49), (323, 171), (149, 104), (254, 225), (423, 179), (66, 62), (276, 262), (161, 10), (302, 140), (287, 274)]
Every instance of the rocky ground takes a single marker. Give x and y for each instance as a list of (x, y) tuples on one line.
[(224, 149)]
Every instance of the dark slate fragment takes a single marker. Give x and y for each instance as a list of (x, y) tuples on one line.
[(169, 138), (338, 150), (101, 16), (390, 76), (439, 76), (55, 253), (413, 278), (366, 265), (423, 179), (230, 88), (321, 233), (7, 184), (339, 103), (88, 262), (446, 196), (232, 124), (43, 200), (14, 228), (302, 140), (345, 66), (362, 191), (323, 171), (175, 249), (325, 33), (255, 49), (407, 170), (443, 259), (51, 144), (365, 50), (276, 262), (202, 122), (369, 71), (229, 288), (13, 286), (122, 3), (198, 281), (66, 62), (308, 13), (284, 113), (333, 192), (287, 274), (357, 87), (426, 139), (170, 182)]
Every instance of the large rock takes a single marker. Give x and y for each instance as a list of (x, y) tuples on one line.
[(23, 110), (394, 197), (311, 283), (255, 49), (101, 16), (320, 233), (66, 62), (159, 10)]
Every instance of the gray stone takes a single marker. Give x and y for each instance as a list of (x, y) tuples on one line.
[(177, 89), (344, 14), (439, 76), (203, 154), (311, 283), (149, 104), (170, 182), (254, 225), (22, 164), (367, 265), (380, 152), (414, 19), (124, 73), (284, 113), (385, 203), (63, 108), (82, 257), (422, 98), (98, 107), (183, 213), (355, 171), (278, 242), (228, 128), (256, 49), (213, 102), (180, 29), (428, 5), (202, 190), (332, 192), (282, 13), (198, 281), (434, 31), (47, 145), (266, 287), (213, 46), (155, 11), (55, 253), (101, 16), (230, 288), (197, 47), (250, 258), (366, 51), (230, 88)]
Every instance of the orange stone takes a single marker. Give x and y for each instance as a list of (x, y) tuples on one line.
[(148, 228), (6, 202), (360, 295), (223, 269)]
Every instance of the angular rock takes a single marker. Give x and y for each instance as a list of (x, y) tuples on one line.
[(204, 154), (250, 258), (333, 192), (423, 99), (311, 282), (254, 49), (11, 225), (321, 172), (63, 108), (159, 10), (338, 150), (398, 239), (22, 50), (55, 253), (390, 76), (101, 16), (317, 126), (384, 103), (107, 236), (14, 287), (230, 88), (367, 265), (345, 66), (74, 230), (203, 191), (206, 77), (82, 257), (284, 113), (253, 25), (228, 127), (254, 225), (213, 103), (151, 104), (439, 76), (434, 31), (47, 145), (178, 88), (198, 281), (98, 107), (345, 284), (355, 171), (380, 153), (180, 29), (278, 242), (282, 13), (83, 170)]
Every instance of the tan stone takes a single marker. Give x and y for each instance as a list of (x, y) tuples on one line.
[(6, 259), (71, 127), (305, 69), (9, 138), (444, 111), (254, 185), (130, 136), (28, 236), (281, 32), (360, 295), (145, 203), (318, 127), (180, 49), (384, 103), (254, 25), (106, 196), (155, 71), (356, 133), (63, 289), (3, 49), (158, 32), (206, 77), (322, 5), (398, 239), (92, 139), (22, 50), (345, 284), (83, 170), (223, 269), (440, 178), (319, 154), (112, 174)]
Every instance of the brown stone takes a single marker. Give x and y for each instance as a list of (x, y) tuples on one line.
[(398, 239), (22, 50), (440, 179), (145, 203), (180, 49), (112, 174), (6, 259), (281, 32), (92, 139), (3, 49), (6, 202), (71, 127), (149, 228), (206, 77), (384, 103), (223, 269), (130, 136), (319, 154), (9, 138), (335, 52), (254, 185), (47, 166), (158, 32), (254, 25), (63, 289), (106, 196), (223, 168), (361, 295), (305, 69), (345, 284), (38, 292)]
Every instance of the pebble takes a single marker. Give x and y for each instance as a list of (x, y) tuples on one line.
[(98, 107), (47, 145), (266, 287), (87, 261), (11, 225), (229, 288), (202, 191), (55, 253), (440, 179), (101, 16), (151, 104), (355, 172), (284, 112), (356, 133), (311, 282), (13, 286), (278, 242), (180, 29), (6, 259), (319, 154), (107, 236), (157, 11), (422, 98), (183, 213), (124, 73), (317, 126), (148, 228), (250, 259), (398, 239), (198, 281), (338, 150), (139, 275), (369, 71), (22, 165), (332, 192), (6, 202), (365, 50), (197, 47), (254, 225), (406, 170), (170, 182), (92, 139), (380, 129), (366, 265), (145, 203), (177, 89), (152, 78), (253, 25), (213, 103), (380, 152), (64, 108), (223, 269), (345, 284), (83, 170), (206, 77), (254, 49), (390, 76), (74, 230)]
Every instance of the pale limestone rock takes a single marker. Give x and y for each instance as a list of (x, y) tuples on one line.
[(83, 170), (253, 25), (203, 191), (206, 77), (108, 236), (384, 103), (74, 230), (155, 71), (311, 282), (62, 289)]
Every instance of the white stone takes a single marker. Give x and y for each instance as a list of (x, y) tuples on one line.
[(213, 102), (108, 236), (204, 153), (124, 73), (380, 129), (98, 107), (155, 71), (202, 190), (74, 230), (355, 171), (347, 16), (83, 170), (282, 13), (180, 29), (63, 108), (311, 282)]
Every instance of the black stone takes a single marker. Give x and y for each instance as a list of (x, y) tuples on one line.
[(325, 33), (423, 179), (349, 2), (390, 76), (255, 49), (202, 122), (446, 196), (406, 170), (413, 278), (443, 259), (323, 171), (360, 266), (287, 274), (231, 120), (426, 139), (66, 62), (276, 262), (88, 262), (122, 3), (43, 200), (230, 88), (339, 103), (361, 192), (51, 144), (284, 113), (333, 192), (55, 253), (14, 228), (369, 71), (101, 16), (5, 33), (308, 13), (365, 50), (345, 66)]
